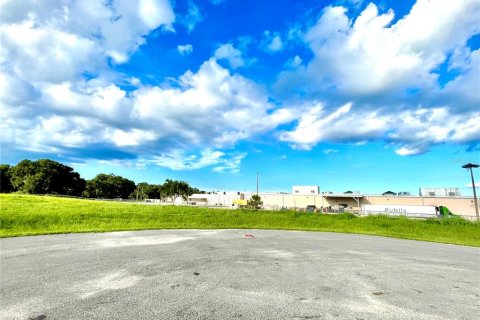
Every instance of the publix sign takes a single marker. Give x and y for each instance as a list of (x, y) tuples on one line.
[(395, 210), (421, 211)]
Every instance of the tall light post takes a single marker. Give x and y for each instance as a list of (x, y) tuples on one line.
[(471, 166)]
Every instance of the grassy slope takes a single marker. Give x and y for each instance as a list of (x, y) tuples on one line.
[(29, 215)]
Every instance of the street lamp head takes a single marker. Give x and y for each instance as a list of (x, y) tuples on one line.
[(470, 165)]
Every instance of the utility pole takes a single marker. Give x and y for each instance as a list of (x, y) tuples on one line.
[(138, 190), (471, 166), (257, 183)]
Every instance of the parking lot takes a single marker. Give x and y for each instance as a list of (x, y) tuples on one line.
[(235, 274)]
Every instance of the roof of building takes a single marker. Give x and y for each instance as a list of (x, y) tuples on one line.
[(343, 195)]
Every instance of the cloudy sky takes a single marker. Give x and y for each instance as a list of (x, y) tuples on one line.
[(346, 94)]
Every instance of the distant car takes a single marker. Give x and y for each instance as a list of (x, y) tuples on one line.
[(311, 208)]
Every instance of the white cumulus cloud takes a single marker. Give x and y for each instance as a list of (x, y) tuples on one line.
[(412, 131), (185, 49), (370, 55), (387, 75), (230, 54), (180, 160)]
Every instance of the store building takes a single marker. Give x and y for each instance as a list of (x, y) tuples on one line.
[(308, 197)]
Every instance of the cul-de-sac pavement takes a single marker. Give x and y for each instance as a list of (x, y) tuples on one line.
[(236, 274)]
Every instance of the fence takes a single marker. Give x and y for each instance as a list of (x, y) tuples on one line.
[(271, 208)]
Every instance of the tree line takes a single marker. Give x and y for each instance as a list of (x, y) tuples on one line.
[(46, 176)]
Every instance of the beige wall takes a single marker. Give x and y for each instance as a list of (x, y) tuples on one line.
[(351, 203), (458, 205), (277, 201)]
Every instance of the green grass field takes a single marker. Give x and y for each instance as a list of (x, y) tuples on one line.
[(32, 215)]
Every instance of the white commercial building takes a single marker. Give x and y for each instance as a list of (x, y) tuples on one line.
[(440, 192), (310, 198), (305, 190), (223, 198)]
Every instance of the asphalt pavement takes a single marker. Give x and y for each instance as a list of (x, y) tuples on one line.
[(235, 274)]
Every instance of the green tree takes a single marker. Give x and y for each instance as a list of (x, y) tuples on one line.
[(255, 202), (140, 192), (174, 188), (46, 176), (20, 172), (5, 175), (145, 191), (194, 191), (109, 186), (154, 191)]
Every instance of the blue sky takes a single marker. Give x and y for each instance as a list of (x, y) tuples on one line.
[(348, 95)]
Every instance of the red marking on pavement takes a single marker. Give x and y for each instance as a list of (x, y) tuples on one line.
[(249, 235)]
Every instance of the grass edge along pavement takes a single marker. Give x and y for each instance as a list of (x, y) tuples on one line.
[(23, 215)]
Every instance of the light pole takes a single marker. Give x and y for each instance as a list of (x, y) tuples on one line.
[(471, 166)]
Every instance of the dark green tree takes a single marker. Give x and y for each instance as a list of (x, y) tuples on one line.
[(5, 175), (170, 189), (20, 172), (154, 191), (46, 176), (140, 192), (109, 186), (145, 191), (194, 190), (255, 202), (174, 188)]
